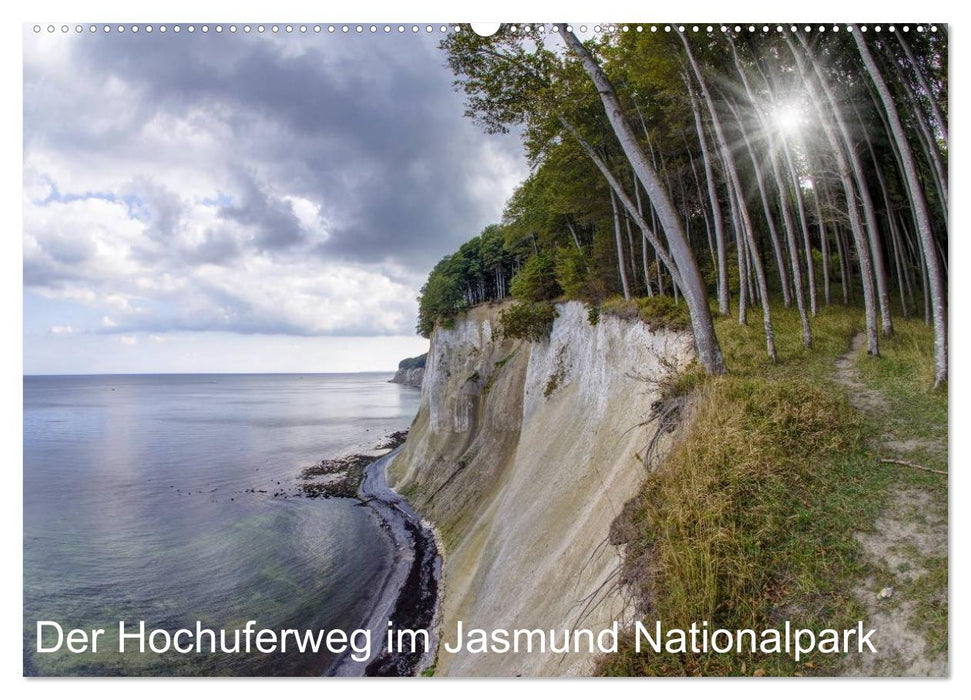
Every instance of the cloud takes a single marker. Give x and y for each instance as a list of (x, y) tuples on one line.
[(295, 185), (62, 330), (128, 340)]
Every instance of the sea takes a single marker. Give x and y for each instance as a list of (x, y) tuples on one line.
[(171, 499)]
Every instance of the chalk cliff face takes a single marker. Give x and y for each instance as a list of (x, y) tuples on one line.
[(522, 454), (411, 371), (409, 377)]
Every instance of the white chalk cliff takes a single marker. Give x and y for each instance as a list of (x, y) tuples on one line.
[(522, 454)]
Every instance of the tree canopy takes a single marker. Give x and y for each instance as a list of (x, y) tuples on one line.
[(722, 169)]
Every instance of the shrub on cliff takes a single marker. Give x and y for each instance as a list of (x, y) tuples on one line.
[(527, 321), (658, 312)]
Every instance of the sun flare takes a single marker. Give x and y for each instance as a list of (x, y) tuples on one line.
[(789, 118)]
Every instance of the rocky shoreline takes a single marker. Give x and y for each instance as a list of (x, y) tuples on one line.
[(409, 594), (342, 477)]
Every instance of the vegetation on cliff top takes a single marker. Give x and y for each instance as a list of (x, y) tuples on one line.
[(750, 520), (413, 362)]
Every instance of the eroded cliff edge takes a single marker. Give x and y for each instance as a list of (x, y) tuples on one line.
[(522, 454), (410, 371)]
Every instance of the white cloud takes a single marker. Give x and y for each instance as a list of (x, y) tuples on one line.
[(262, 189), (62, 330)]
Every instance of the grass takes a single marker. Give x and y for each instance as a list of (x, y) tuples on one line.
[(905, 375), (749, 520), (930, 592)]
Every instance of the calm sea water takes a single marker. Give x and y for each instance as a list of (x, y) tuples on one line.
[(137, 507)]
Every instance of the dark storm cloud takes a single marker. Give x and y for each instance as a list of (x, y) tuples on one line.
[(228, 164), (370, 126)]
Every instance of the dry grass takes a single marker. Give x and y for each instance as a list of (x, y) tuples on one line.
[(749, 520)]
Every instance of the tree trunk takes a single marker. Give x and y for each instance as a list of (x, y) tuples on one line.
[(869, 214), (739, 257), (716, 211), (573, 234), (823, 239), (706, 343), (938, 116), (746, 222), (767, 210), (701, 199), (856, 226), (621, 265), (640, 212), (931, 152), (618, 190), (937, 292), (801, 210)]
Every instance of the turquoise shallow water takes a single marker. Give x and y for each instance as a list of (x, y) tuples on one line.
[(137, 506)]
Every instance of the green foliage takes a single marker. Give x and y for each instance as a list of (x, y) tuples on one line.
[(478, 271), (413, 362), (571, 272), (558, 375), (536, 281), (658, 312), (530, 321), (593, 314), (441, 296)]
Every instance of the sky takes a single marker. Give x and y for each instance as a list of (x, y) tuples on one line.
[(242, 202)]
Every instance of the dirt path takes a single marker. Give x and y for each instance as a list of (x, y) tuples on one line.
[(908, 540)]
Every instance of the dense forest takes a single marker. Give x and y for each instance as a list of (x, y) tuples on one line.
[(727, 171)]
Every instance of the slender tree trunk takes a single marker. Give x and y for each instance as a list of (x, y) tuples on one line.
[(746, 222), (823, 240), (573, 234), (640, 213), (869, 213), (740, 258), (618, 190), (898, 263), (701, 201), (856, 226), (790, 230), (929, 146), (767, 210), (630, 248), (936, 280), (621, 265), (801, 210), (922, 81), (844, 267), (716, 212), (706, 343), (911, 258), (888, 207)]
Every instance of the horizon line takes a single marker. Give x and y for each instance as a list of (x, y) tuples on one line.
[(176, 374)]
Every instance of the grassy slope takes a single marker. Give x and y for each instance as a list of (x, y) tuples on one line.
[(750, 520)]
